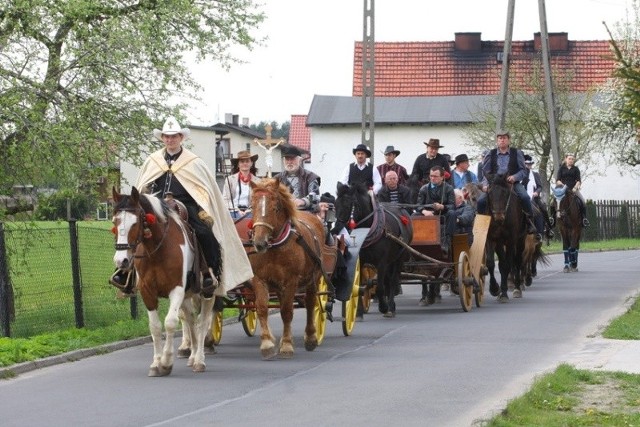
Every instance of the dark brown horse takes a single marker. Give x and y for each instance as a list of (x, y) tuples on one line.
[(153, 239), (356, 206), (506, 237), (289, 245), (569, 220)]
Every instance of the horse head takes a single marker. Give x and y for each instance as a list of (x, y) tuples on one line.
[(498, 197), (273, 211), (136, 219), (353, 205)]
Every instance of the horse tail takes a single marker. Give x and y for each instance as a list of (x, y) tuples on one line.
[(533, 251)]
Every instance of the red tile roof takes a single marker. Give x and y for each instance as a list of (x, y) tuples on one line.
[(438, 69), (299, 133)]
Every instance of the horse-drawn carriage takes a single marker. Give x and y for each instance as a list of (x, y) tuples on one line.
[(408, 249), (290, 240)]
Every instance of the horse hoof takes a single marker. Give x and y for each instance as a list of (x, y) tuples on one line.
[(183, 353), (528, 281), (159, 371), (503, 299), (199, 367), (574, 269), (565, 269), (389, 314), (517, 293), (494, 289), (310, 344), (268, 354), (285, 354)]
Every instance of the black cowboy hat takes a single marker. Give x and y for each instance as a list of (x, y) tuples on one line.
[(362, 147), (327, 198), (391, 149), (289, 150), (433, 142), (461, 158), (528, 159)]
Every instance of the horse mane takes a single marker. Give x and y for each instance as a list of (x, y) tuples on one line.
[(152, 204), (278, 190)]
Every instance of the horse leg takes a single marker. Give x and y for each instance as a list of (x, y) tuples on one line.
[(176, 296), (390, 285), (494, 289), (286, 314), (382, 290), (267, 340), (516, 263), (184, 349), (202, 327), (505, 268), (155, 328), (310, 301)]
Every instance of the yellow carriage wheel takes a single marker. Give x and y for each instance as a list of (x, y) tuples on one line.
[(249, 319), (319, 311), (216, 327), (465, 281), (350, 306)]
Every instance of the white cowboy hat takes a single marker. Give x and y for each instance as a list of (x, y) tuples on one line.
[(171, 127)]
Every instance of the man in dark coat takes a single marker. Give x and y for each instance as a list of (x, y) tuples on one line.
[(390, 164), (437, 198), (392, 191), (424, 162), (303, 184), (533, 184)]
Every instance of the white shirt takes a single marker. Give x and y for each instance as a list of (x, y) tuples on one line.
[(377, 180)]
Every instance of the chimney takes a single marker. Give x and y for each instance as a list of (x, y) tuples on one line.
[(245, 122), (236, 117), (228, 118), (558, 42), (468, 42)]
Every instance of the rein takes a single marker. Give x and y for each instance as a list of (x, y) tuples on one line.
[(506, 208), (284, 232), (140, 238)]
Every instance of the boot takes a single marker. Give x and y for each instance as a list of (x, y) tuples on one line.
[(209, 283), (531, 227)]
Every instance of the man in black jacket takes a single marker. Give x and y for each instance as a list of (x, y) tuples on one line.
[(424, 162), (392, 192)]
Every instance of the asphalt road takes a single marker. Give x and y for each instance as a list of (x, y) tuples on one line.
[(429, 366)]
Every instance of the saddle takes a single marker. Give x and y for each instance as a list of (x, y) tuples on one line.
[(199, 262)]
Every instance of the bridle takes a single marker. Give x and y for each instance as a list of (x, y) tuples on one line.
[(283, 233), (141, 216), (506, 208)]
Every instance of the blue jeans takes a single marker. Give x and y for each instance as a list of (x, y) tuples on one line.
[(520, 191)]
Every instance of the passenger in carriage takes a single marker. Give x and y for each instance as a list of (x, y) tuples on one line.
[(362, 171), (304, 185), (461, 174), (424, 162), (533, 184), (236, 189), (390, 164), (437, 198), (393, 191), (569, 175), (176, 171), (462, 216), (509, 161)]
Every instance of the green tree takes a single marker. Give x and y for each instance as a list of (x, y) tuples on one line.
[(617, 116), (527, 121), (277, 131), (83, 82)]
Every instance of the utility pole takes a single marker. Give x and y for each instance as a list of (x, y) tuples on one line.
[(368, 76), (546, 62), (548, 83), (506, 61)]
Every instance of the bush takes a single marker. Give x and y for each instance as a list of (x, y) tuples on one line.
[(54, 207)]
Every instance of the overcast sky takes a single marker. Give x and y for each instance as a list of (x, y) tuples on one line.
[(310, 45)]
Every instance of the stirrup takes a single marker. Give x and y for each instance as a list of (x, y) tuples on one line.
[(127, 286), (585, 222)]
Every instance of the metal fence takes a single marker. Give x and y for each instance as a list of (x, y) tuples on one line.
[(56, 278)]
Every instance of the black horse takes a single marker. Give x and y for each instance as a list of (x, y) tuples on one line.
[(569, 220), (356, 208), (506, 237)]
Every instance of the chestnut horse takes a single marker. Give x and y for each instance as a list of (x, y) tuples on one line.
[(153, 239), (288, 245), (569, 220)]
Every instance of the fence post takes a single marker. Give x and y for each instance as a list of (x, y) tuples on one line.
[(75, 269), (6, 290)]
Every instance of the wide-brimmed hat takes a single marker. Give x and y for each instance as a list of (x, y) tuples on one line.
[(362, 147), (528, 159), (244, 155), (171, 127), (390, 149), (460, 158), (289, 150), (447, 157), (433, 142), (327, 198), (501, 132)]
